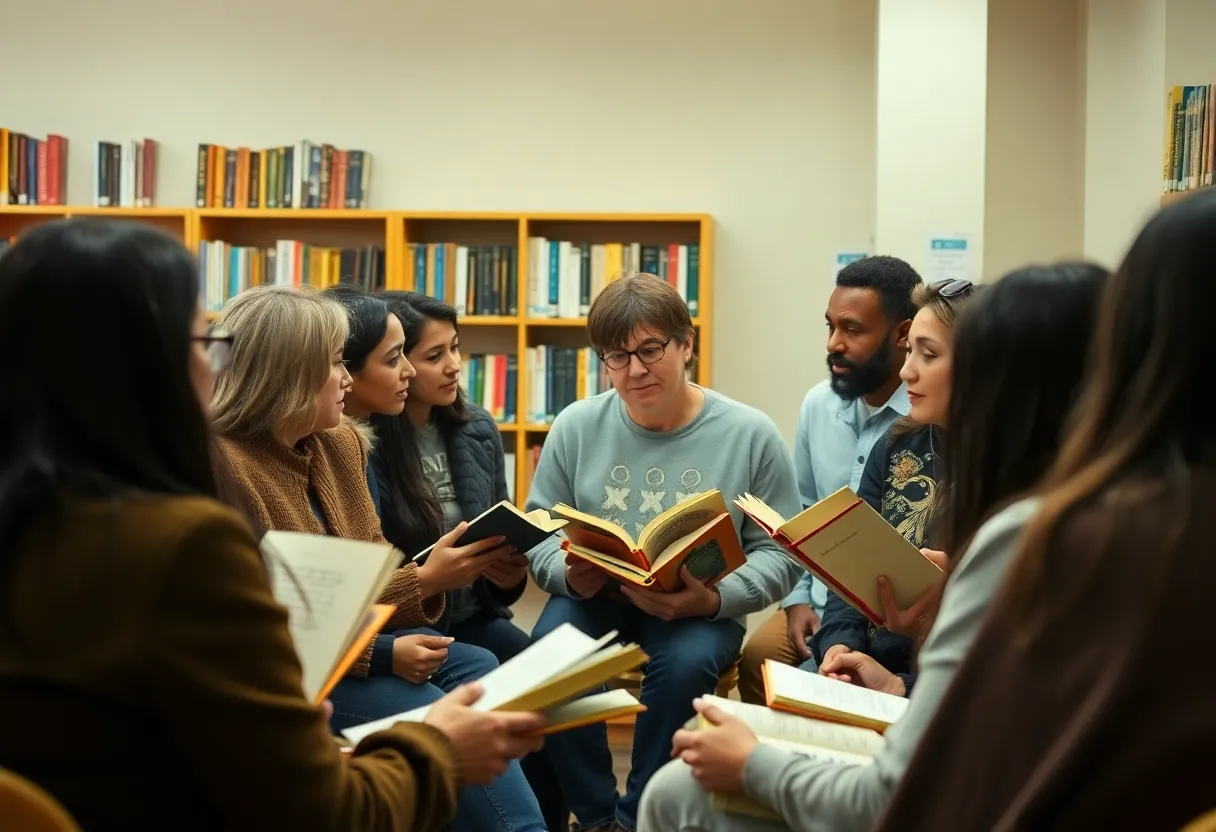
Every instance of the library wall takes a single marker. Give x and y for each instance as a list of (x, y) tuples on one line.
[(760, 113), (1189, 56), (1035, 135)]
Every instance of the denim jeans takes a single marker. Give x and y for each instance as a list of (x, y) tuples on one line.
[(505, 641), (507, 804), (686, 658)]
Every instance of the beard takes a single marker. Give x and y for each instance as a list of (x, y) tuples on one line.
[(861, 379)]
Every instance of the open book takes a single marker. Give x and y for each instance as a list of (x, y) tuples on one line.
[(796, 691), (846, 544), (523, 531), (698, 533), (329, 586), (815, 739), (549, 676)]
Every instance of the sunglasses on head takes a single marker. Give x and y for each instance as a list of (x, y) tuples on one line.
[(952, 288)]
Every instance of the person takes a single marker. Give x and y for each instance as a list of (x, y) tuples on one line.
[(1005, 430), (900, 483), (403, 354), (182, 708), (1115, 550), (301, 465), (626, 455), (867, 317)]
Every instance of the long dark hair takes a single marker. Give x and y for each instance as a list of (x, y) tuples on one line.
[(412, 515), (122, 296), (368, 317), (1141, 421), (1020, 350)]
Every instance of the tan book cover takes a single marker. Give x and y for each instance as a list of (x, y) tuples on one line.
[(848, 545), (698, 533)]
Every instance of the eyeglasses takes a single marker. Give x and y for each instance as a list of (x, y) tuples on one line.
[(952, 288), (218, 344), (649, 353)]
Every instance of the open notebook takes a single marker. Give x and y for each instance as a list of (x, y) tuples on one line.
[(698, 533), (815, 739), (550, 676), (329, 586), (789, 689), (847, 545)]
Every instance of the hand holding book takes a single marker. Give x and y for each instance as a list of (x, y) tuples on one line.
[(718, 751), (448, 565), (694, 599), (484, 741)]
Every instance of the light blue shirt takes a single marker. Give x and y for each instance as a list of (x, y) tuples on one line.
[(830, 450)]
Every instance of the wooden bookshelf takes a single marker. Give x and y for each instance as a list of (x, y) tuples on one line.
[(395, 231)]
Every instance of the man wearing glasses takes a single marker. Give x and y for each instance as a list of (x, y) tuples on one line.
[(627, 455)]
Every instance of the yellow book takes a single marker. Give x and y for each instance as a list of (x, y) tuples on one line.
[(815, 739), (551, 675), (795, 691), (846, 544), (698, 533), (329, 586)]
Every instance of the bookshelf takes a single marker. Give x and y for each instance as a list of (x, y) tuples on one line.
[(399, 234), (1173, 196)]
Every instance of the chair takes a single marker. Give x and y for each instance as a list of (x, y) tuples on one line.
[(25, 807)]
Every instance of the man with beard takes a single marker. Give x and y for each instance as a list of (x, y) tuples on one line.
[(867, 318)]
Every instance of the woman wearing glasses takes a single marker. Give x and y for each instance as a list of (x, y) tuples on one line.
[(900, 481), (179, 706), (1005, 430), (627, 455)]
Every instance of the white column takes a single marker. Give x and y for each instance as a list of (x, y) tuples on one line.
[(1125, 76), (932, 94)]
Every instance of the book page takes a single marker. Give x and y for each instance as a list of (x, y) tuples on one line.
[(599, 707), (541, 661), (327, 585), (799, 687), (761, 512), (580, 520), (679, 520), (711, 553), (775, 725)]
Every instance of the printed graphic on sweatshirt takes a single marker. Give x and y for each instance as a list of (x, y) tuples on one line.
[(907, 501), (436, 469), (631, 501)]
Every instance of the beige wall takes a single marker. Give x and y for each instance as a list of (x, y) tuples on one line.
[(760, 113), (1034, 199), (1189, 55)]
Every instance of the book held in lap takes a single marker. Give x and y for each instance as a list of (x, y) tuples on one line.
[(697, 533)]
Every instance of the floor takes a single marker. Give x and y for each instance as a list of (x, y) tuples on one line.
[(620, 736)]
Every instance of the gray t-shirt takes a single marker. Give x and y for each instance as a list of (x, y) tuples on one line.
[(433, 452)]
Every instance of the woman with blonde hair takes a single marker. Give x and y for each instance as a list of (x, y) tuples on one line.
[(300, 465)]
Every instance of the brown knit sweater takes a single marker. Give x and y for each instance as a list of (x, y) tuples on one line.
[(275, 481)]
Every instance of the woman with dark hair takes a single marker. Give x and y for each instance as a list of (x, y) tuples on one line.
[(109, 515), (1007, 420), (411, 667), (1083, 704)]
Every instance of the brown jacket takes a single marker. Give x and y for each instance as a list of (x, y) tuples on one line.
[(1105, 720), (148, 681), (275, 482)]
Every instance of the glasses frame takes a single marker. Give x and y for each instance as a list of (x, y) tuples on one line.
[(218, 345), (630, 354)]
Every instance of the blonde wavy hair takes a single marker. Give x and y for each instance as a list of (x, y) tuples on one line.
[(284, 341)]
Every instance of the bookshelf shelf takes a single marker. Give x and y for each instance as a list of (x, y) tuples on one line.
[(1173, 196), (504, 239)]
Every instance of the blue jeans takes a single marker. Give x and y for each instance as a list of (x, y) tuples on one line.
[(686, 658), (506, 804), (505, 641)]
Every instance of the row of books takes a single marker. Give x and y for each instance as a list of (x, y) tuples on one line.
[(226, 270), (564, 278), (1190, 137), (33, 171), (303, 175), (124, 174), (557, 377), (475, 280)]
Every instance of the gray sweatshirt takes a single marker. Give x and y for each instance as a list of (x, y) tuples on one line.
[(601, 462), (827, 797)]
